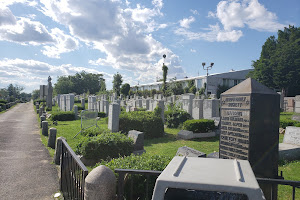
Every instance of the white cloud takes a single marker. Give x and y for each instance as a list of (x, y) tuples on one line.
[(32, 73), (193, 50), (6, 17), (121, 33), (185, 22), (195, 12), (237, 14)]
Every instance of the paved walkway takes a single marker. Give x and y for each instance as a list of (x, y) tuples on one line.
[(25, 169)]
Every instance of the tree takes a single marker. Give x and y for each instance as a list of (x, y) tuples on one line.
[(14, 92), (125, 89), (117, 82), (279, 64), (102, 85), (165, 73), (35, 94)]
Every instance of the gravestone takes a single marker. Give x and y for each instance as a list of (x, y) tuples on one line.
[(113, 117), (249, 128), (52, 138), (69, 102), (58, 100), (197, 112), (83, 103), (106, 107), (58, 148), (44, 128), (49, 93), (187, 102), (76, 111), (290, 148), (138, 140), (211, 108), (189, 152), (297, 104)]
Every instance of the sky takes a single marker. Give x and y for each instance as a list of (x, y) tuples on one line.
[(62, 37)]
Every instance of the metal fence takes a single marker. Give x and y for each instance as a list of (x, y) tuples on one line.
[(73, 173), (124, 173), (89, 118)]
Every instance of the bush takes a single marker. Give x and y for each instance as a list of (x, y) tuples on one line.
[(101, 114), (297, 125), (80, 108), (175, 116), (38, 100), (2, 101), (143, 162), (105, 146), (143, 121), (93, 132), (287, 122), (48, 109), (63, 116), (199, 125)]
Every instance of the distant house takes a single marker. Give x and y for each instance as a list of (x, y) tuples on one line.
[(229, 79)]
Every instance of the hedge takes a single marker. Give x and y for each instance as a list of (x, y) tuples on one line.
[(143, 121), (297, 125), (105, 146), (38, 100), (144, 162), (101, 114), (287, 122), (2, 101), (63, 116), (199, 125)]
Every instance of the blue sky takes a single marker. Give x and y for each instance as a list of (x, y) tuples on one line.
[(62, 37)]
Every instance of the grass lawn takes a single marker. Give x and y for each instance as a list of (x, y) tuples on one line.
[(168, 145)]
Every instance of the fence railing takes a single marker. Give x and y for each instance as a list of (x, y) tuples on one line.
[(73, 173), (123, 173)]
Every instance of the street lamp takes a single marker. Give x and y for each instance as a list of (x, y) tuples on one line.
[(207, 68)]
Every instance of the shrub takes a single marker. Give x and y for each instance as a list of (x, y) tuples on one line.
[(38, 100), (143, 162), (63, 116), (80, 108), (174, 116), (105, 146), (2, 101), (48, 109), (101, 114), (143, 121), (297, 125), (93, 132), (287, 122), (199, 125)]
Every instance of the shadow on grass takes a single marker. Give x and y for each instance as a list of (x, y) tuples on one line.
[(169, 138)]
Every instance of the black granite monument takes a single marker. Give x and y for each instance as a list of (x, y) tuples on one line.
[(249, 128)]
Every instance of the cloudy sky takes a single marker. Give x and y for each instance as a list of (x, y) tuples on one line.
[(62, 37)]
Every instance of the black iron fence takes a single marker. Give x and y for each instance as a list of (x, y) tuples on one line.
[(73, 173), (123, 179)]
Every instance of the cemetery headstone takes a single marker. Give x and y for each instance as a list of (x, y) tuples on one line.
[(249, 128), (290, 148), (189, 152), (76, 111), (211, 108), (197, 112), (52, 138), (297, 104), (187, 102), (45, 128), (58, 150), (138, 140), (43, 118), (83, 103), (113, 117), (49, 93)]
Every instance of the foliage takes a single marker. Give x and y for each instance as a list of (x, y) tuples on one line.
[(165, 73), (102, 85), (105, 146), (279, 64), (101, 114), (35, 94), (175, 87), (143, 121), (193, 89), (63, 116), (174, 116), (199, 125), (39, 101), (117, 82), (125, 89), (3, 101), (143, 162), (297, 125), (201, 91), (80, 83), (221, 89), (287, 122), (157, 111)]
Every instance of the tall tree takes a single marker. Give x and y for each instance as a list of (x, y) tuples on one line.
[(279, 64), (165, 73), (125, 89), (117, 82)]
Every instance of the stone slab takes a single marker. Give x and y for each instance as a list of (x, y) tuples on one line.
[(289, 152), (184, 134), (296, 118), (292, 135), (189, 152)]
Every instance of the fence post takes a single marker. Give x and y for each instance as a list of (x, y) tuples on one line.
[(100, 184)]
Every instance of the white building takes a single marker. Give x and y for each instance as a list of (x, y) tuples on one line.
[(230, 79)]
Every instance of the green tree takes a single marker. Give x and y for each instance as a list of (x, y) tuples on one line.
[(117, 82), (125, 89), (165, 73), (102, 85), (35, 94), (279, 64), (14, 92)]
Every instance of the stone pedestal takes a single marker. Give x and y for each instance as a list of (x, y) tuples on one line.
[(113, 117), (52, 138), (249, 128)]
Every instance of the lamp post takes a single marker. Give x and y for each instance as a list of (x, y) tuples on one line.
[(207, 68)]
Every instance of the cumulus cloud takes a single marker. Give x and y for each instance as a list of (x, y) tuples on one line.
[(32, 73), (237, 14), (123, 34), (193, 50), (185, 23)]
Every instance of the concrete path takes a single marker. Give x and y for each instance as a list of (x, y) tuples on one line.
[(25, 169)]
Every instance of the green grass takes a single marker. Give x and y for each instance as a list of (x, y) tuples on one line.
[(168, 145)]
